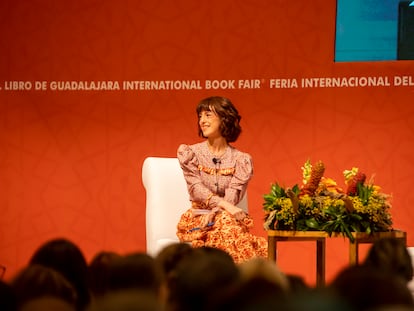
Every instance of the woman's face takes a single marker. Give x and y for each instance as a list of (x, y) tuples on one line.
[(209, 123)]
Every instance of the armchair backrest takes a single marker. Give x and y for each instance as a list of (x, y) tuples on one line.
[(166, 200)]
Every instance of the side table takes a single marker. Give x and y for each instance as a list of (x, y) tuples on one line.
[(275, 236)]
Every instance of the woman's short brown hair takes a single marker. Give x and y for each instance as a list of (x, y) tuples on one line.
[(230, 119)]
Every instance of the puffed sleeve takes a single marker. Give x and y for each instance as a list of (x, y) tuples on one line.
[(242, 175), (189, 164)]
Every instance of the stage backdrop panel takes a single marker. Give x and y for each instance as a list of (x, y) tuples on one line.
[(90, 89)]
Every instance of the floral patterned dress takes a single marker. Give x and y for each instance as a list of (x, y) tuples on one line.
[(209, 180)]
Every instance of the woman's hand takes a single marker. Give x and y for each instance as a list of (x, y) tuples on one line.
[(237, 212), (208, 218)]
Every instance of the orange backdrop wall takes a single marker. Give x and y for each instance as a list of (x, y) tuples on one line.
[(70, 160)]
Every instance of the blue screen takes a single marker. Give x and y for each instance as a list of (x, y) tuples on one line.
[(367, 30)]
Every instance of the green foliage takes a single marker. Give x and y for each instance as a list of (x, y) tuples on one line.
[(327, 211)]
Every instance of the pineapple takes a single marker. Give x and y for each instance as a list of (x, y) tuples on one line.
[(316, 175)]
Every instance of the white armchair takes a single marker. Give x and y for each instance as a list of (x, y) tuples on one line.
[(166, 200)]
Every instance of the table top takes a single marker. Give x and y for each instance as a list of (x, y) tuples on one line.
[(324, 234)]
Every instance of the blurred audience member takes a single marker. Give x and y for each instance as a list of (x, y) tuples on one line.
[(390, 255), (265, 269), (8, 301), (99, 271), (262, 286), (367, 288), (167, 259), (202, 278), (315, 299), (66, 257), (127, 300), (37, 281), (170, 255), (296, 283), (47, 304), (134, 271)]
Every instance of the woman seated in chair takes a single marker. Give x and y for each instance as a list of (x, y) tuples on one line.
[(217, 175)]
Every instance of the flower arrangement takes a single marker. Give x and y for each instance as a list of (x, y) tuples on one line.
[(320, 205)]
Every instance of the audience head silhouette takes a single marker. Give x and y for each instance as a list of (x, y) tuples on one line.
[(67, 258), (99, 271), (37, 281), (134, 271), (367, 288), (390, 255), (201, 278)]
